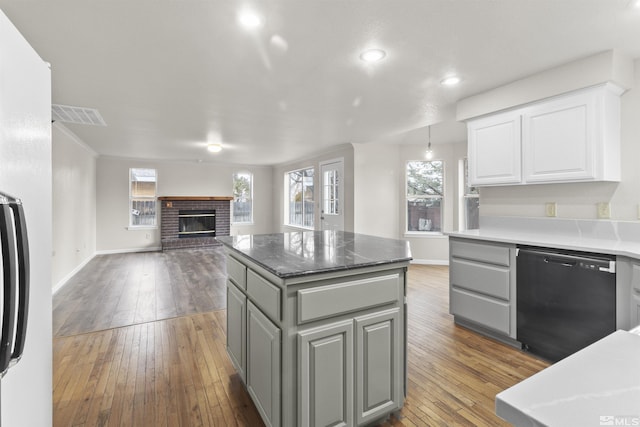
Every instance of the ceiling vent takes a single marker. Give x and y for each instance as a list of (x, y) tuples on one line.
[(76, 115)]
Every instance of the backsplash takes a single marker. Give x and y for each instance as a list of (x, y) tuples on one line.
[(626, 231)]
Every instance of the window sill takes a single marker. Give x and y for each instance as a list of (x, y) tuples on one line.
[(242, 223), (142, 227)]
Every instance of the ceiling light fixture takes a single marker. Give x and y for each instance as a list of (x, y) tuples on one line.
[(373, 55), (429, 153), (450, 81), (249, 19), (214, 147)]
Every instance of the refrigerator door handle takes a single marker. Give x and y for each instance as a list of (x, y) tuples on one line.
[(23, 281), (7, 243)]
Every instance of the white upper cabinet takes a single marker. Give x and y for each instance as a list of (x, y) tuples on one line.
[(568, 138), (494, 149)]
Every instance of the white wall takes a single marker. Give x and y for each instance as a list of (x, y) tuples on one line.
[(344, 152), (377, 182), (174, 179), (74, 204), (578, 200)]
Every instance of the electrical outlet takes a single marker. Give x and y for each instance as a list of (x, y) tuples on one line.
[(551, 209), (604, 210)]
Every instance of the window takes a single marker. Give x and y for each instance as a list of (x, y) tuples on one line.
[(300, 198), (242, 197), (471, 202), (425, 190), (142, 197)]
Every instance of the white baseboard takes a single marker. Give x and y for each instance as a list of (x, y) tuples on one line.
[(430, 261), (66, 278), (126, 251)]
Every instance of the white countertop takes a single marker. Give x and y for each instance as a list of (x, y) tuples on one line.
[(598, 385), (609, 237)]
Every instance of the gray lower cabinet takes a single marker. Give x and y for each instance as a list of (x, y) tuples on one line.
[(326, 375), (236, 328), (263, 364), (627, 293), (319, 350), (378, 373), (482, 286)]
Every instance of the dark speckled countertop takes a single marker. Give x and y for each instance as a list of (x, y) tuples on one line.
[(301, 253)]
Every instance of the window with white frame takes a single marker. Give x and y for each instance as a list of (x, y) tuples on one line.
[(242, 197), (471, 202), (300, 201), (142, 197), (425, 193)]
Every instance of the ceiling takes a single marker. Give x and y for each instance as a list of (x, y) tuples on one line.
[(169, 76)]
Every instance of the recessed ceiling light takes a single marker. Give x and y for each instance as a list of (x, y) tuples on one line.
[(372, 55), (249, 19), (450, 81), (214, 148)]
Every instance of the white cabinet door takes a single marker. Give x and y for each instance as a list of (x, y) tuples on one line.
[(379, 365), (495, 149), (559, 139), (263, 364), (236, 328), (326, 375)]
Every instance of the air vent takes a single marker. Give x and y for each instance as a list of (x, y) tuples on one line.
[(76, 115)]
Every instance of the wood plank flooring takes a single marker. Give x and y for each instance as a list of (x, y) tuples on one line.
[(126, 289), (175, 372)]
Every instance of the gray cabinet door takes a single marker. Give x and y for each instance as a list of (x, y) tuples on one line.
[(379, 364), (236, 328), (325, 369), (263, 364)]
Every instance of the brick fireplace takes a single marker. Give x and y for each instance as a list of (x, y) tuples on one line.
[(193, 221)]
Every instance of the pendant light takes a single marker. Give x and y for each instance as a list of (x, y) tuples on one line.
[(429, 153)]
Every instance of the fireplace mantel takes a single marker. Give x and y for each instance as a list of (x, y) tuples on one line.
[(196, 198)]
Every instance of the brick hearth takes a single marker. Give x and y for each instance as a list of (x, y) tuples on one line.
[(171, 205)]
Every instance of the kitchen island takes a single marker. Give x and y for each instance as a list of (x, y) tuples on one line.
[(316, 325)]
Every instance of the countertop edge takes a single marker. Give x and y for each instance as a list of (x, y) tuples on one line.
[(612, 247)]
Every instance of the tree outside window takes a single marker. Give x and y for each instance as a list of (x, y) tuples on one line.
[(242, 197), (425, 191)]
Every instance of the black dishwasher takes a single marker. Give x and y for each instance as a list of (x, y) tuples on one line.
[(565, 300)]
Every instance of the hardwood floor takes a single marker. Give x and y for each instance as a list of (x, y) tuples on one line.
[(175, 372)]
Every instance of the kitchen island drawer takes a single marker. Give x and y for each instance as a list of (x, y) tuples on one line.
[(332, 300), (237, 272), (265, 295), (482, 310), (482, 252), (483, 278)]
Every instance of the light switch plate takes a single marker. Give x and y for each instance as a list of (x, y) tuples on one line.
[(604, 210), (550, 209)]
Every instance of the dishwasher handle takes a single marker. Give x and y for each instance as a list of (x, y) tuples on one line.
[(563, 262)]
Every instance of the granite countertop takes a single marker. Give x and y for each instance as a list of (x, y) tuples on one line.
[(302, 253), (598, 385)]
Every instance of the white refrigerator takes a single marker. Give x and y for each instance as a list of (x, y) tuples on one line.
[(25, 184)]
